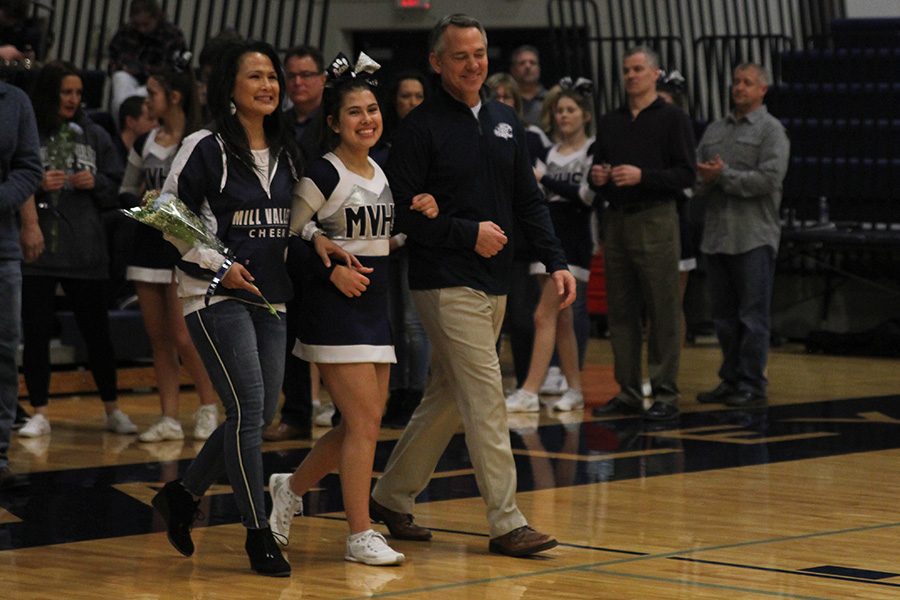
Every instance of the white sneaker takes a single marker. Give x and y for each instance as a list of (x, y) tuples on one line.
[(369, 547), (322, 415), (571, 400), (285, 505), (36, 426), (118, 422), (522, 401), (554, 383), (206, 419), (163, 430)]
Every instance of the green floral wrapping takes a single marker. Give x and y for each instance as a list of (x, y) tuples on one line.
[(61, 147), (171, 216), (61, 156)]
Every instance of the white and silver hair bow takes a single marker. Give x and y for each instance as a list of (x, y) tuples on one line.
[(582, 85), (340, 70), (672, 79)]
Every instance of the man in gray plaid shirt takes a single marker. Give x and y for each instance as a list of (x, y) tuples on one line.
[(742, 161)]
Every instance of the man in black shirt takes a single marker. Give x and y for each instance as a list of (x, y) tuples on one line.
[(643, 157), (304, 72)]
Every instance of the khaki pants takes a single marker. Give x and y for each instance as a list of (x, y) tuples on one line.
[(464, 387)]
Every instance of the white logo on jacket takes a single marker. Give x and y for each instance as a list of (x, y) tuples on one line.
[(504, 130)]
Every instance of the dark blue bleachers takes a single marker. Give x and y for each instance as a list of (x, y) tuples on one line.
[(841, 108), (866, 33), (835, 100), (842, 65), (859, 190), (861, 138)]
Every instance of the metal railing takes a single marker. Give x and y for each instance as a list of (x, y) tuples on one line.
[(590, 37), (715, 56), (80, 30)]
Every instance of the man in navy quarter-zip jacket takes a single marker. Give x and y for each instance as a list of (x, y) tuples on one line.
[(471, 156)]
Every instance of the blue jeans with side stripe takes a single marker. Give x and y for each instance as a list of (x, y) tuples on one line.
[(242, 347)]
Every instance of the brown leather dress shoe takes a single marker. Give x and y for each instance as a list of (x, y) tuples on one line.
[(283, 431), (401, 526), (523, 541)]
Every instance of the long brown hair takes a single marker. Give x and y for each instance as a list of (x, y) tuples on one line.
[(45, 95)]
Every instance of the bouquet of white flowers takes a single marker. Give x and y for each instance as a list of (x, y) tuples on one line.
[(171, 216), (61, 156), (61, 147)]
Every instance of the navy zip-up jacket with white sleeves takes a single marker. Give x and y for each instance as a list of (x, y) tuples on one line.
[(477, 170), (251, 221)]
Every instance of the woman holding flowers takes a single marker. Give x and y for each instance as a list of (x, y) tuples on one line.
[(81, 174), (344, 326), (237, 176), (172, 99)]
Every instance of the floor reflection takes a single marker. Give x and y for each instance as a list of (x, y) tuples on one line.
[(551, 450)]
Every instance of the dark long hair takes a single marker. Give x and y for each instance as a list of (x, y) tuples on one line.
[(279, 133), (45, 95), (333, 97), (173, 79), (389, 99)]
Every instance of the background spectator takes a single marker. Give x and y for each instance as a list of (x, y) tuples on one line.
[(20, 175), (144, 44), (81, 176)]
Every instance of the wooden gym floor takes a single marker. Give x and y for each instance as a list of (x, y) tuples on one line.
[(795, 501)]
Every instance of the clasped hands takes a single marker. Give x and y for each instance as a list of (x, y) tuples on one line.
[(55, 180), (620, 175), (708, 171)]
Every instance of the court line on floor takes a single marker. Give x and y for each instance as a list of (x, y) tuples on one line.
[(599, 567), (714, 586), (786, 571)]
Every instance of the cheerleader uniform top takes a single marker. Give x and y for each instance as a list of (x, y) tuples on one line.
[(247, 207), (569, 200), (356, 213), (152, 259)]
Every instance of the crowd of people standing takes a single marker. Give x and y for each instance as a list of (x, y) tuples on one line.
[(367, 230)]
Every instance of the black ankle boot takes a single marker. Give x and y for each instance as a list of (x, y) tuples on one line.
[(265, 555), (178, 510)]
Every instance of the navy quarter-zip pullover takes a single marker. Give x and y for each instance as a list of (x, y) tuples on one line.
[(477, 169)]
